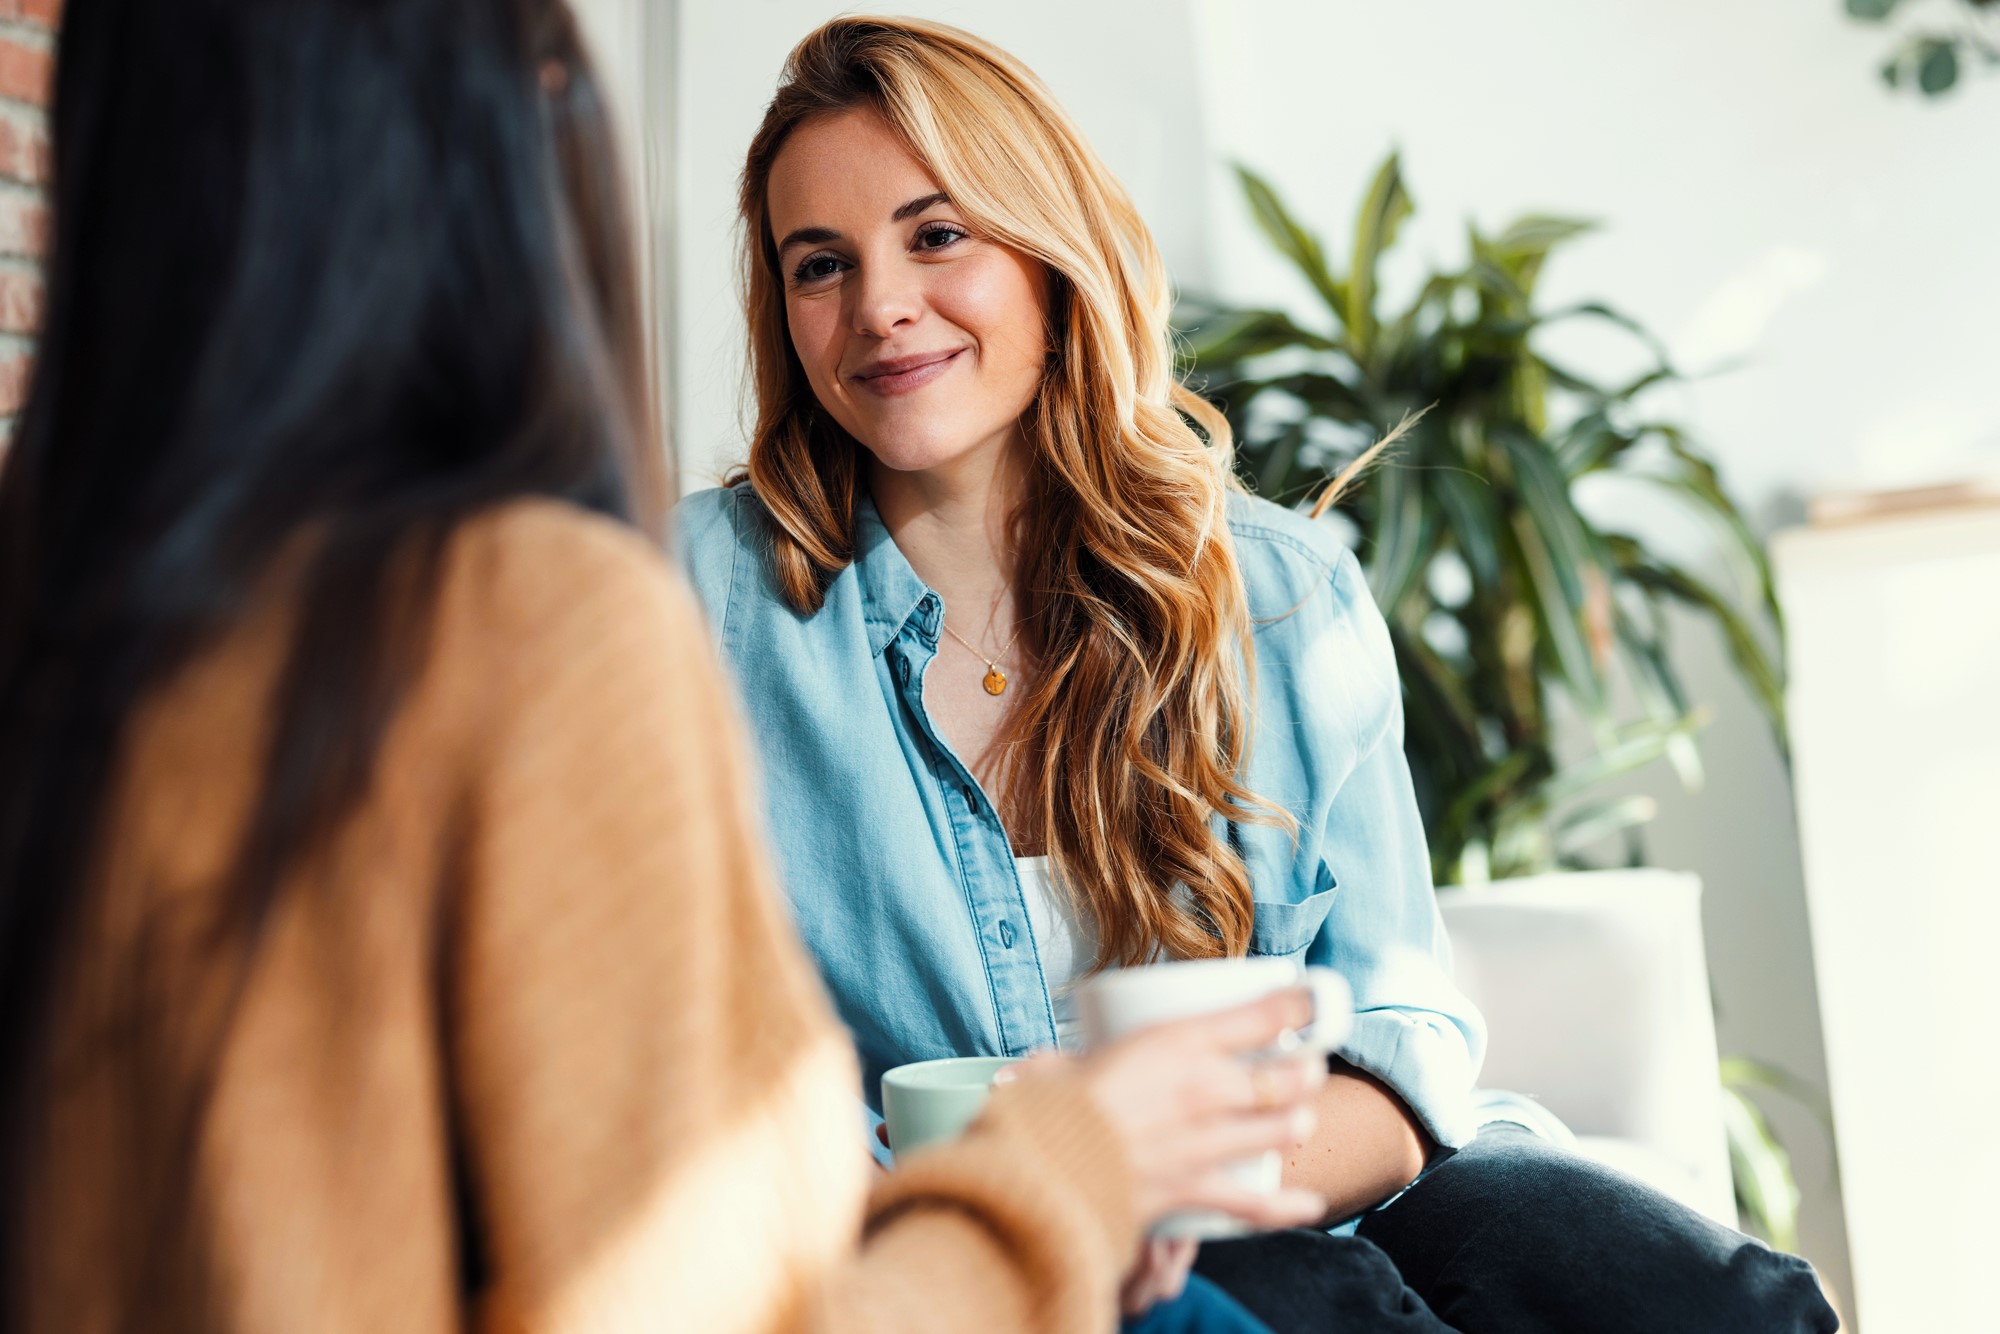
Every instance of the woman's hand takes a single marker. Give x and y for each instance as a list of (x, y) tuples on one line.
[(1159, 1276), (1187, 1103)]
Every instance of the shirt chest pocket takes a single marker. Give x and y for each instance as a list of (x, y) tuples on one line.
[(1281, 929)]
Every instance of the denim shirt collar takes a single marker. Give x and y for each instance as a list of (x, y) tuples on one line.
[(891, 592)]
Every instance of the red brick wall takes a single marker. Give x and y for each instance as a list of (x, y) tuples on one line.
[(27, 57)]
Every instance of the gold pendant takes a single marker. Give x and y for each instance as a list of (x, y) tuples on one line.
[(996, 680)]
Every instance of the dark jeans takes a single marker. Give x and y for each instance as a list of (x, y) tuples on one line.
[(1512, 1235)]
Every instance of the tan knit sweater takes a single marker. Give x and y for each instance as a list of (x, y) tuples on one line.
[(531, 1046)]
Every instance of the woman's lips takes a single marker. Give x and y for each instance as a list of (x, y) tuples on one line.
[(903, 374)]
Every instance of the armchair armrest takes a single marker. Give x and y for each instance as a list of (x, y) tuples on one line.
[(1595, 991)]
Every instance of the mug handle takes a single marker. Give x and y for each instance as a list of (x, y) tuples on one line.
[(1333, 1007)]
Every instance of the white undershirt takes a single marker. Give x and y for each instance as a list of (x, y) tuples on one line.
[(1067, 945)]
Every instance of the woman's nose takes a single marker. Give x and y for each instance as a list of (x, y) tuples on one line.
[(886, 297)]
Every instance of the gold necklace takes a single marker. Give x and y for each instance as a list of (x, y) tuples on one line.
[(995, 680)]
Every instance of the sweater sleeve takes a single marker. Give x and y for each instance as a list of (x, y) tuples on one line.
[(652, 1103)]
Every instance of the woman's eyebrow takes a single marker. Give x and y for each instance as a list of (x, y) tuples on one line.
[(808, 236), (916, 206), (821, 235)]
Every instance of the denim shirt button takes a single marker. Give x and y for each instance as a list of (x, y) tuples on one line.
[(1006, 933), (903, 669)]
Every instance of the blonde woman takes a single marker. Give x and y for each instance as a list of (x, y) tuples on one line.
[(1039, 691)]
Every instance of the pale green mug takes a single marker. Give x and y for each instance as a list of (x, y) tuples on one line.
[(926, 1102)]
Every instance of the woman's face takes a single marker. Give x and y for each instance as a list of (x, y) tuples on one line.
[(925, 341)]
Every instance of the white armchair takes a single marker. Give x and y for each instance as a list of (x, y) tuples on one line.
[(1595, 991)]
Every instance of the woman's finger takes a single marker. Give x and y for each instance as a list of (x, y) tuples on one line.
[(1271, 1083), (1223, 1085), (1176, 1261), (1280, 1209), (1248, 1027), (1141, 1287)]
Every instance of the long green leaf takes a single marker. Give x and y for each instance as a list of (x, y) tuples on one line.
[(1382, 213), (1592, 824), (1224, 337), (1398, 343), (1562, 377), (1293, 241), (1402, 529), (1442, 736), (1503, 774), (1468, 506), (1506, 303), (1557, 617), (1638, 385), (1423, 665), (1544, 490), (1539, 233), (1765, 1189), (1522, 842), (1736, 544), (1704, 483), (1562, 565), (1525, 245), (1273, 461), (1745, 1072), (1326, 395), (1635, 748), (1745, 649), (1598, 310), (1658, 688), (1591, 443)]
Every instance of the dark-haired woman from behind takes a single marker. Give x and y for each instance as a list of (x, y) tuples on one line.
[(384, 943)]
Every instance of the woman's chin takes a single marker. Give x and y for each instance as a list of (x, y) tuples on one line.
[(921, 455)]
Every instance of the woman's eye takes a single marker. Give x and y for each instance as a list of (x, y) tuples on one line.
[(937, 238), (819, 266)]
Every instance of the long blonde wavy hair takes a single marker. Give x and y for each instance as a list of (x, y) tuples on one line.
[(1127, 744)]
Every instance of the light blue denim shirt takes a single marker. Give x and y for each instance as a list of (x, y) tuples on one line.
[(901, 875)]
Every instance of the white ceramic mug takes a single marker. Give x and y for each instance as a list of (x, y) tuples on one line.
[(1123, 1001)]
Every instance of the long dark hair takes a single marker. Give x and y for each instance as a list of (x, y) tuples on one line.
[(357, 268)]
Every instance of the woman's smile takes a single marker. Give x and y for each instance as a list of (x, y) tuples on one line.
[(890, 377)]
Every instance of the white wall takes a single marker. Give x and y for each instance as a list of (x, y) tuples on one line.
[(1124, 70)]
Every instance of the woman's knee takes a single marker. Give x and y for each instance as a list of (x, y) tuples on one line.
[(1513, 1223)]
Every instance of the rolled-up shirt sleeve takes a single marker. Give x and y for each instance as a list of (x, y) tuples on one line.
[(1414, 1030)]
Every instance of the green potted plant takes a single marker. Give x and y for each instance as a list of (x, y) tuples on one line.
[(1500, 590)]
